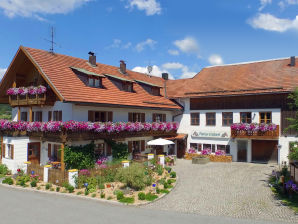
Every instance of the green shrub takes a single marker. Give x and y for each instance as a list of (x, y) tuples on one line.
[(141, 196), (157, 190), (150, 197), (162, 181), (166, 185), (86, 192), (57, 189), (102, 195), (91, 190), (109, 175), (173, 174), (169, 169), (52, 189), (93, 195), (79, 192), (48, 186), (70, 189), (127, 200), (101, 186), (159, 170), (3, 169), (38, 188), (134, 176), (164, 191), (119, 150), (8, 180), (79, 157), (170, 181), (119, 195), (33, 183), (110, 198), (22, 180), (82, 179)]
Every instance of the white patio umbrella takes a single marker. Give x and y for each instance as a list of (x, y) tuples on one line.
[(160, 141)]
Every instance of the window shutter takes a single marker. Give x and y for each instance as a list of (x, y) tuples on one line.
[(49, 115), (164, 118), (60, 115), (142, 117), (12, 151), (3, 150), (130, 146), (110, 116), (109, 150), (142, 145), (33, 116), (153, 117), (91, 116), (130, 117), (49, 150)]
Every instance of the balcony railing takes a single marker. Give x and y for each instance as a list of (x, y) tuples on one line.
[(255, 131), (28, 99)]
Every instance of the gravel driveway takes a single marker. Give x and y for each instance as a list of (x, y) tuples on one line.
[(225, 189)]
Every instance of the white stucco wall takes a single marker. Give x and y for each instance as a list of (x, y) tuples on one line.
[(20, 152)]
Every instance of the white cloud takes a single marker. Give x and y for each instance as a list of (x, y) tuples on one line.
[(151, 7), (36, 8), (215, 59), (117, 43), (156, 71), (173, 52), (284, 3), (264, 3), (185, 73), (2, 72), (272, 23), (188, 45), (149, 42)]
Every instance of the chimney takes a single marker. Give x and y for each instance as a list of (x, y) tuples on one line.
[(92, 58), (122, 67), (293, 61), (165, 76)]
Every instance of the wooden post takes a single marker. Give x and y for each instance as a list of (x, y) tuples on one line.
[(19, 114), (30, 114), (1, 148), (62, 157)]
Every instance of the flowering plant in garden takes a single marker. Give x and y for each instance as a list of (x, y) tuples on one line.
[(206, 151), (192, 151), (220, 153), (32, 90), (290, 185), (253, 127), (109, 127), (84, 172), (102, 160)]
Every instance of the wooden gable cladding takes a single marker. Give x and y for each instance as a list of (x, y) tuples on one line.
[(240, 102)]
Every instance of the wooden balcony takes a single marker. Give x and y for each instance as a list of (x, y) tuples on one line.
[(28, 100), (256, 134)]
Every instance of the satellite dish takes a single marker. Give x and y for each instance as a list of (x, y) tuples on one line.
[(149, 69)]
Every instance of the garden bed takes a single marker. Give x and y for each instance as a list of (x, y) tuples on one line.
[(137, 184), (212, 158)]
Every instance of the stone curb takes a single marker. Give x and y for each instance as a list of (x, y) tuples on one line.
[(86, 197)]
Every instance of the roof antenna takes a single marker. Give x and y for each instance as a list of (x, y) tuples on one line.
[(52, 40), (149, 69)]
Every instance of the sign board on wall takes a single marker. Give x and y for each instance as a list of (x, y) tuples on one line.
[(210, 134)]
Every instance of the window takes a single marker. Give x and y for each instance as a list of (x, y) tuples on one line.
[(265, 117), (57, 153), (99, 150), (227, 118), (37, 116), (123, 85), (210, 119), (159, 118), (225, 148), (196, 146), (8, 151), (24, 116), (100, 116), (136, 117), (136, 147), (155, 91), (245, 117), (57, 115), (94, 82), (194, 118)]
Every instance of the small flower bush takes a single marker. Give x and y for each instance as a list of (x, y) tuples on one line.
[(220, 153), (206, 151), (253, 127), (191, 151), (291, 186), (8, 180), (4, 170), (26, 90)]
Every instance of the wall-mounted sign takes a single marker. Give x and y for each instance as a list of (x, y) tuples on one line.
[(210, 134)]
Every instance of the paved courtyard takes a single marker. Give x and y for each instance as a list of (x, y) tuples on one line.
[(236, 190)]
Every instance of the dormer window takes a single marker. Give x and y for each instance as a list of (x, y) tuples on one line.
[(150, 88), (94, 82), (122, 84)]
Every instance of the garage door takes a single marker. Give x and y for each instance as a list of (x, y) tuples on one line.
[(264, 151)]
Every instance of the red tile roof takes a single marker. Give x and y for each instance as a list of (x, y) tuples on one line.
[(57, 68), (272, 76)]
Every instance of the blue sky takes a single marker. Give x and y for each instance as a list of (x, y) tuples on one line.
[(175, 36)]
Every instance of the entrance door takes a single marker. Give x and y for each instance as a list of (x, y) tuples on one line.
[(181, 145), (34, 152), (242, 151), (264, 151)]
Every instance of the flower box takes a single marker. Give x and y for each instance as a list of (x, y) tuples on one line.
[(200, 160)]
